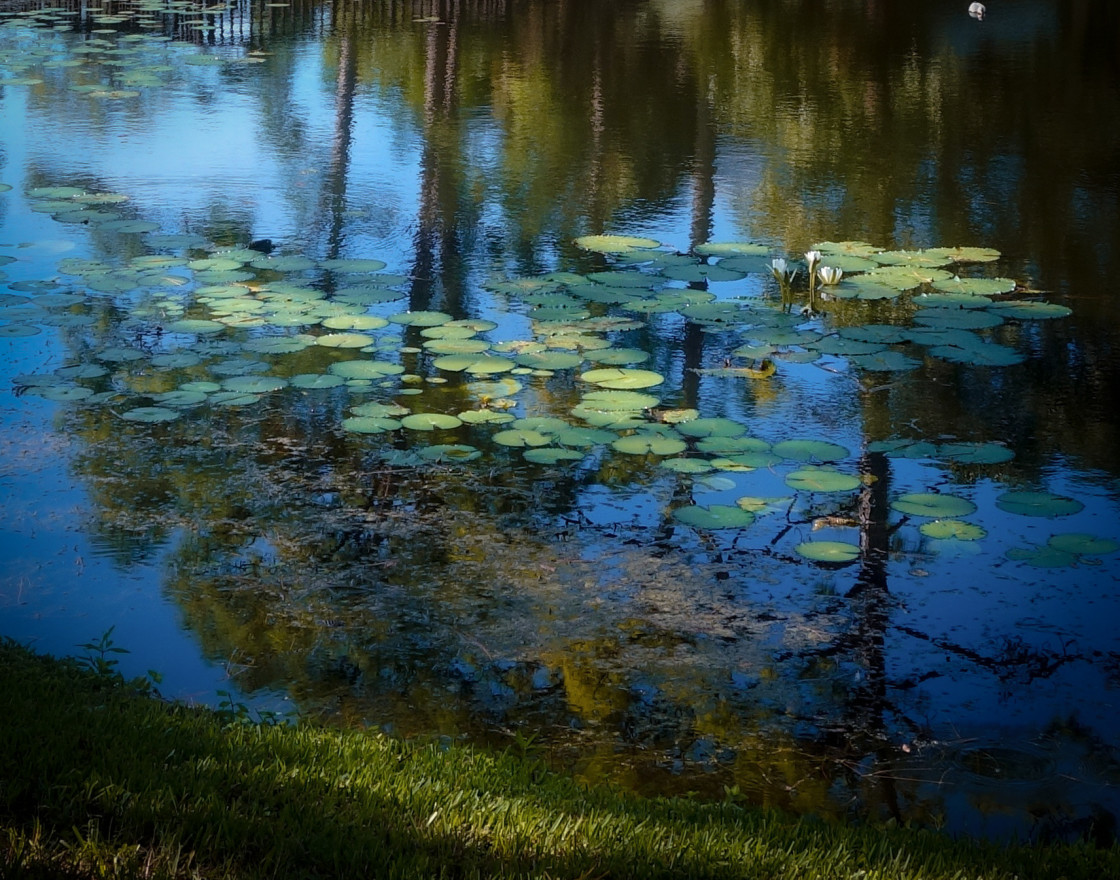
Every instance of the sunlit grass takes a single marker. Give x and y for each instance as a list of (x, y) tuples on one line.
[(99, 779)]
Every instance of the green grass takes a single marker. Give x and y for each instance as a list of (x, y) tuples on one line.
[(99, 779)]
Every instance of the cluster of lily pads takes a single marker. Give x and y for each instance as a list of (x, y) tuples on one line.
[(202, 326), (109, 63)]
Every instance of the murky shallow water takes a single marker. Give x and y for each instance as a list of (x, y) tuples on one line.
[(259, 546)]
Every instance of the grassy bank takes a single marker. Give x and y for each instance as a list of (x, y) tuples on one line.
[(100, 780)]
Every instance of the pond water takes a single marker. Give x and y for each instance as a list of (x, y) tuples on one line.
[(423, 366)]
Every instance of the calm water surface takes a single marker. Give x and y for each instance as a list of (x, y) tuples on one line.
[(254, 547)]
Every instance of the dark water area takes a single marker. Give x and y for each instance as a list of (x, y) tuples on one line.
[(846, 549)]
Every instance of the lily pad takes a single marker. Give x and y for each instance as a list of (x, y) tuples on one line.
[(610, 244), (450, 452), (254, 384), (431, 422), (1042, 557), (932, 505), (964, 254), (521, 437), (361, 369), (150, 414), (552, 455), (644, 442), (198, 326), (886, 362), (975, 453), (1083, 544), (952, 528), (370, 424), (619, 378), (808, 450), (712, 427), (420, 318), (822, 480), (687, 465), (356, 265), (618, 401), (702, 272), (1030, 310), (975, 286), (717, 516), (314, 381), (1044, 504), (478, 365), (837, 552)]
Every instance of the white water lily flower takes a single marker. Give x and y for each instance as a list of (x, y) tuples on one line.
[(812, 258), (779, 268), (830, 274)]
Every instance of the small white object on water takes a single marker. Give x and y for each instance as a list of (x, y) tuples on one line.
[(977, 10)]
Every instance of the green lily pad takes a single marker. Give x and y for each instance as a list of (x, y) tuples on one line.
[(1030, 310), (610, 244), (618, 357), (822, 480), (485, 417), (975, 453), (181, 398), (344, 340), (983, 355), (975, 286), (732, 249), (620, 378), (852, 248), (431, 422), (616, 402), (716, 444), (648, 443), (254, 384), (583, 437), (760, 506), (712, 427), (808, 450), (952, 528), (279, 344), (551, 455), (420, 318), (370, 424), (1083, 544), (478, 365), (450, 452), (1045, 504), (916, 259), (687, 465), (521, 437), (198, 326), (886, 362), (964, 254), (549, 360), (176, 360), (1042, 557), (717, 516), (357, 265), (698, 272), (150, 414), (13, 331), (354, 322), (936, 506), (456, 346), (64, 393), (837, 552), (360, 369), (961, 319), (313, 381)]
